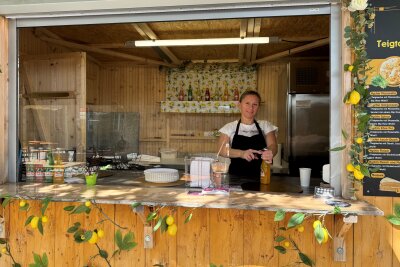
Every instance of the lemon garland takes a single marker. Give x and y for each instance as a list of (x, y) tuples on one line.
[(358, 97)]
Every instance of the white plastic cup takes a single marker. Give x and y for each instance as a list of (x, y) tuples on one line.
[(305, 174)]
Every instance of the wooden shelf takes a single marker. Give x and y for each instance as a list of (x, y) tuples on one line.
[(201, 107), (152, 140), (193, 138)]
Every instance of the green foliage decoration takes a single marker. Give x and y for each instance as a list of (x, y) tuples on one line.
[(358, 96)]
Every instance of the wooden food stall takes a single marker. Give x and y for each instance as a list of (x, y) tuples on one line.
[(86, 94)]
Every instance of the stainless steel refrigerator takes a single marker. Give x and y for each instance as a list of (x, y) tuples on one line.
[(308, 132)]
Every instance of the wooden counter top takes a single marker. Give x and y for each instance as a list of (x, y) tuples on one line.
[(113, 194)]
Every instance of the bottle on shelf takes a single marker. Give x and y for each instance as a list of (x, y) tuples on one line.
[(181, 95), (226, 95), (236, 95), (207, 95), (190, 93)]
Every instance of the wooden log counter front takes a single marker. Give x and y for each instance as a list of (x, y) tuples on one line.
[(229, 230)]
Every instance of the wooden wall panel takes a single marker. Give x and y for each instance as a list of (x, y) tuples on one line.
[(92, 82), (373, 236), (219, 236), (3, 99), (58, 120), (193, 248), (272, 86), (166, 252), (260, 233), (132, 88), (226, 237), (66, 251), (126, 218)]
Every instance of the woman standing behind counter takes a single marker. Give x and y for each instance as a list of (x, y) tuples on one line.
[(251, 142)]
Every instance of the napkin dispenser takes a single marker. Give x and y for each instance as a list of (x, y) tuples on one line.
[(200, 172)]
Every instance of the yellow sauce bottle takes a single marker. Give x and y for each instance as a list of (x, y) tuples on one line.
[(265, 175)]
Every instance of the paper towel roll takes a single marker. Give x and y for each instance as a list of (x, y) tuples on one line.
[(277, 162), (326, 173)]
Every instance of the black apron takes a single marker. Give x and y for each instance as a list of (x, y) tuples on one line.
[(241, 166)]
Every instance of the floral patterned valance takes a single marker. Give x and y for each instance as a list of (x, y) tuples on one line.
[(199, 106), (222, 81)]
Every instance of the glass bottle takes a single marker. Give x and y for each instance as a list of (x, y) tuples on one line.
[(226, 95), (30, 172), (236, 95), (190, 93), (265, 174), (207, 96), (50, 159), (181, 95)]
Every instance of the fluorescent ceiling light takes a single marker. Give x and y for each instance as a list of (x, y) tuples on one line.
[(209, 41)]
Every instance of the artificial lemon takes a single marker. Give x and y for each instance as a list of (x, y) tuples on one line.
[(350, 68), (316, 223), (300, 228), (45, 219), (88, 203), (358, 174), (326, 235), (354, 97), (93, 239), (170, 220), (172, 229), (349, 168), (22, 203), (3, 250), (286, 244), (34, 222), (359, 140), (100, 233)]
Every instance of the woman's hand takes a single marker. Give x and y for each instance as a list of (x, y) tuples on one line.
[(250, 154), (267, 156)]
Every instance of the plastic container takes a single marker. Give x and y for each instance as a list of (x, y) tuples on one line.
[(91, 179), (168, 153)]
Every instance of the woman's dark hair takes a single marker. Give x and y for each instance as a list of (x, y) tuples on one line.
[(250, 92)]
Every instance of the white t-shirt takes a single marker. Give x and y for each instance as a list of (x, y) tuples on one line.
[(247, 130)]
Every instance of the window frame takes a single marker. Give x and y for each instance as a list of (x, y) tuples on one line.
[(194, 13)]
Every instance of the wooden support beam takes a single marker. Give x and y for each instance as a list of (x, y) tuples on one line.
[(51, 95), (293, 51), (250, 32), (339, 244), (109, 45), (36, 116), (225, 60), (147, 33), (105, 52), (256, 33), (243, 33), (45, 32)]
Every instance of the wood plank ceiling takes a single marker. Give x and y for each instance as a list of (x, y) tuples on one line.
[(114, 42)]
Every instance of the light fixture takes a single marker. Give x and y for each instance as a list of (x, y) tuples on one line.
[(207, 41)]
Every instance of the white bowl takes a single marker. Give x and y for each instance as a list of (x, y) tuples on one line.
[(161, 175)]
